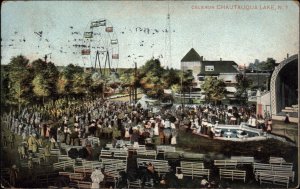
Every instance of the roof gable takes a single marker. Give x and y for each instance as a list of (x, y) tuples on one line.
[(191, 56), (219, 67)]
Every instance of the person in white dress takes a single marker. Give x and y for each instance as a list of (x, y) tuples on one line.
[(97, 177)]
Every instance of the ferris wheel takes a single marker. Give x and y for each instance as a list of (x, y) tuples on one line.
[(100, 48)]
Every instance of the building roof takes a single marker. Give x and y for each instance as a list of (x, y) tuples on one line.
[(219, 67), (191, 56)]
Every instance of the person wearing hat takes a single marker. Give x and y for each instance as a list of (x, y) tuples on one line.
[(97, 177), (32, 143)]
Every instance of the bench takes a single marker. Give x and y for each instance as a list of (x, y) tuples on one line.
[(85, 170), (117, 162), (54, 152), (94, 140), (225, 163), (133, 148), (271, 167), (192, 156), (76, 176), (290, 174), (63, 158), (233, 174), (193, 169), (276, 160), (163, 149), (243, 159), (161, 166), (111, 173), (120, 154), (147, 153), (63, 164), (105, 153), (274, 179)]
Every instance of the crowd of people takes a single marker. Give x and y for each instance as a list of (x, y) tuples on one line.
[(118, 120), (57, 123)]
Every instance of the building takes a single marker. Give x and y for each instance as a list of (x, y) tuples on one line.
[(192, 61), (226, 70)]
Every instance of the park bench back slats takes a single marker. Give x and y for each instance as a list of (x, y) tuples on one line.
[(233, 174), (193, 169), (290, 174), (276, 160), (243, 159), (161, 166), (225, 163), (274, 179), (147, 153)]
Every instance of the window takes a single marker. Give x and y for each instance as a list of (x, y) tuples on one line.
[(209, 68)]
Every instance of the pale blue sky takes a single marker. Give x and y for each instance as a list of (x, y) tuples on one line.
[(234, 34)]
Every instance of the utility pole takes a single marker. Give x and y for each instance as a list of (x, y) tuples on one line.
[(135, 81)]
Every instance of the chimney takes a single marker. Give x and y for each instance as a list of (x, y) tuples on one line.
[(287, 55), (201, 58), (221, 59)]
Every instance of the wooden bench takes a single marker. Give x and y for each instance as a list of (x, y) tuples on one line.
[(63, 158), (276, 160), (120, 154), (163, 149), (146, 153), (84, 185), (274, 179), (63, 173), (76, 176), (85, 170), (105, 153), (94, 140), (271, 167), (63, 164), (119, 162), (112, 173), (193, 169), (54, 152), (233, 174), (161, 166), (225, 163), (261, 166), (290, 174), (243, 159), (192, 156)]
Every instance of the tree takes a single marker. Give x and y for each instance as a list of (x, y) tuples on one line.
[(269, 64), (20, 89), (45, 79), (150, 78), (243, 83), (41, 87), (214, 89)]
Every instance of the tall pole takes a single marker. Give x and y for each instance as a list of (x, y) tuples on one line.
[(135, 80), (19, 99)]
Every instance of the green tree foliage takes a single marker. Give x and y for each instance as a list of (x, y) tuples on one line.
[(20, 89), (268, 65), (71, 81), (46, 76), (243, 84), (41, 87), (214, 89)]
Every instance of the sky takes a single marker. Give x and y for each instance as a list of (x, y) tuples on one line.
[(231, 30)]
